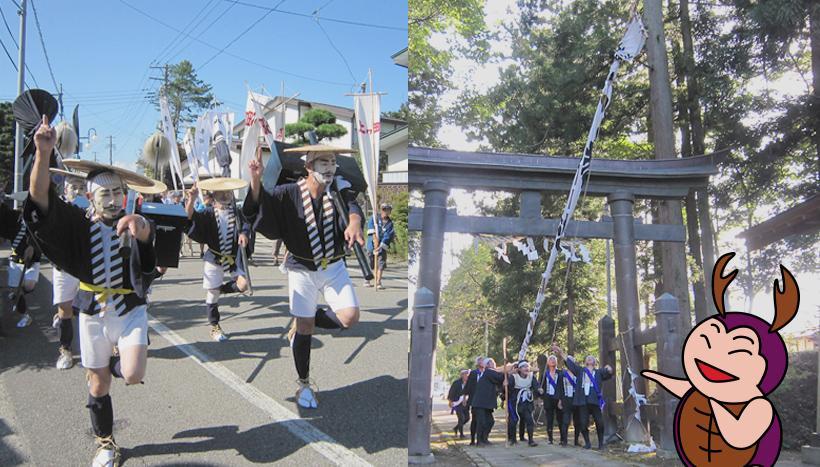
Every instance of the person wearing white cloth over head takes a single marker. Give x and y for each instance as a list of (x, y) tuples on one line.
[(225, 231), (305, 218), (64, 285), (113, 256)]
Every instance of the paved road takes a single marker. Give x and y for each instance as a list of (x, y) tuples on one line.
[(208, 403)]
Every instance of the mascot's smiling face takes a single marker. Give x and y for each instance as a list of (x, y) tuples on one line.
[(724, 365)]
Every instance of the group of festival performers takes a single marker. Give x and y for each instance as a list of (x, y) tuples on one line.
[(105, 260), (572, 393)]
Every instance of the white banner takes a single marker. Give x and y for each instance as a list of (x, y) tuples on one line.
[(170, 134), (367, 108), (188, 145), (630, 46), (256, 124)]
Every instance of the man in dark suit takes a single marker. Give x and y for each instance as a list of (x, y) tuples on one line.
[(588, 393), (484, 399), (458, 403), (467, 391)]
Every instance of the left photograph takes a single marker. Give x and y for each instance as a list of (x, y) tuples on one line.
[(203, 233)]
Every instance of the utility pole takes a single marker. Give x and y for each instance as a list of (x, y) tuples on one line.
[(673, 255), (164, 78), (110, 150), (18, 134)]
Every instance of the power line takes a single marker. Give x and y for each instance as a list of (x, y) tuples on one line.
[(43, 43), (240, 35), (13, 63), (201, 33), (11, 34), (347, 65), (335, 20), (238, 57), (173, 42)]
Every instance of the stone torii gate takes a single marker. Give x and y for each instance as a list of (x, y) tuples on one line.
[(437, 171)]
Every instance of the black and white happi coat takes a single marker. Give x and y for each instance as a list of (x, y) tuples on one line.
[(13, 228), (311, 228), (90, 251), (220, 229)]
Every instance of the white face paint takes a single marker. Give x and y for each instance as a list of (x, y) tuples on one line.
[(74, 187), (223, 199), (322, 169), (108, 199)]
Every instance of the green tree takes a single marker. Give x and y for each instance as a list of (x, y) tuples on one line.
[(430, 67), (319, 120), (6, 147), (188, 96)]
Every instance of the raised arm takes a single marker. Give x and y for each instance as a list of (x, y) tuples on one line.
[(256, 168), (44, 140), (190, 201), (676, 386)]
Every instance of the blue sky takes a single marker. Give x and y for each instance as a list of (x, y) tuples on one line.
[(101, 50)]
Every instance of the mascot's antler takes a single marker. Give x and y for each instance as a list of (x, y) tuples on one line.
[(721, 282), (785, 302)]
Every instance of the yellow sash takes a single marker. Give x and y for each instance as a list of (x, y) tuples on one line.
[(223, 258), (102, 293)]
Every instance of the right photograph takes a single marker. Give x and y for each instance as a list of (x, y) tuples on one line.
[(614, 241)]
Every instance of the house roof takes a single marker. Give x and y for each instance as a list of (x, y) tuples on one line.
[(400, 57), (269, 106)]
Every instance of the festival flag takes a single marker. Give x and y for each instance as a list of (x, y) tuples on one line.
[(368, 124), (630, 46), (170, 134), (274, 165), (250, 137)]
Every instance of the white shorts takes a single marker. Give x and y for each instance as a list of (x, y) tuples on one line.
[(16, 270), (99, 334), (64, 285), (213, 275), (334, 283)]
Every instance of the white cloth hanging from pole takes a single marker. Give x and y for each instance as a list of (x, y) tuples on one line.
[(368, 123), (628, 49), (171, 135)]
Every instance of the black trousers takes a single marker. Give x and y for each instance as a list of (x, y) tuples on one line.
[(463, 415), (484, 424), (525, 421), (568, 413), (474, 423), (552, 413), (584, 412)]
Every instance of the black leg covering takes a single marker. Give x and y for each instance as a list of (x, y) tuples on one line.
[(22, 307), (301, 354), (66, 333), (114, 367), (229, 287), (326, 319), (102, 415), (213, 313)]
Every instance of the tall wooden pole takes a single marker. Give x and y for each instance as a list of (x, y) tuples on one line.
[(673, 255)]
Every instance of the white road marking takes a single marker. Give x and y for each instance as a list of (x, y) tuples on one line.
[(319, 441)]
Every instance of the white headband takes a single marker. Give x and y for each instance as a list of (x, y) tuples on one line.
[(101, 179)]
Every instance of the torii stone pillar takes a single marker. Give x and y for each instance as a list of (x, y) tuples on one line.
[(626, 284)]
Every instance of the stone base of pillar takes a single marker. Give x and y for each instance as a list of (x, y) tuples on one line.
[(421, 459), (811, 453)]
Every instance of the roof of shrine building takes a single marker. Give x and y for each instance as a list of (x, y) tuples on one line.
[(497, 171), (803, 218)]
